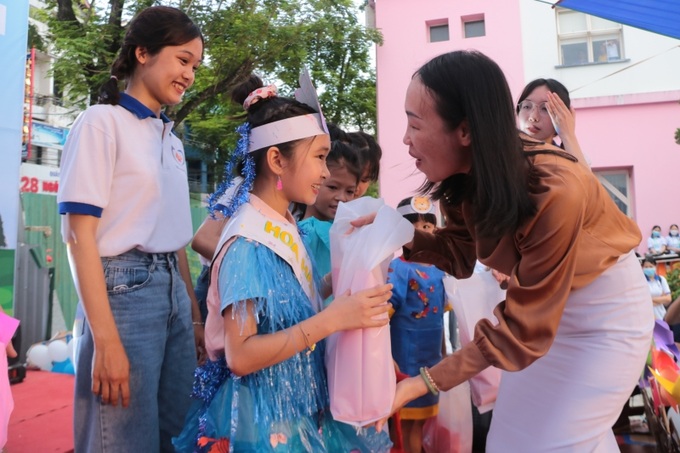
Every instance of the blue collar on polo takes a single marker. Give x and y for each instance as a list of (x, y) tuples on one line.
[(139, 109)]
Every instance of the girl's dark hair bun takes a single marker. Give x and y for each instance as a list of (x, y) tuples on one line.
[(247, 86)]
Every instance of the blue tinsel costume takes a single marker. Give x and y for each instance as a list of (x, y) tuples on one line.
[(282, 408)]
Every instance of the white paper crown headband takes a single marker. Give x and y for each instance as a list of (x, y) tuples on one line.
[(418, 205), (295, 128)]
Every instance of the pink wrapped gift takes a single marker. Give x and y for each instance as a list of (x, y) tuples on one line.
[(8, 326), (361, 377)]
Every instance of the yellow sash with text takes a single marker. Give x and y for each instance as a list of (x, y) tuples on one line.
[(280, 237)]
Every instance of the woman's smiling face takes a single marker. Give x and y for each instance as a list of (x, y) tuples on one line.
[(439, 151)]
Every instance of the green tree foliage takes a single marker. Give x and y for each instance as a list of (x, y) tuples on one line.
[(34, 39), (271, 37), (673, 279)]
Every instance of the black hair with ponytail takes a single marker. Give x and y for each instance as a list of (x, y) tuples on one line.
[(152, 29)]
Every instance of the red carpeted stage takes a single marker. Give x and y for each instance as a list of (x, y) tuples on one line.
[(42, 420)]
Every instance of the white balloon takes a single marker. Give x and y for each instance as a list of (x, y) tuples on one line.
[(39, 355), (58, 350)]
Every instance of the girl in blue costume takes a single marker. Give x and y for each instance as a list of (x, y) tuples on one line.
[(264, 386), (345, 169), (417, 324)]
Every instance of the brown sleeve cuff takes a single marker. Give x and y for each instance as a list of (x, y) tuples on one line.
[(433, 258), (435, 249), (459, 367)]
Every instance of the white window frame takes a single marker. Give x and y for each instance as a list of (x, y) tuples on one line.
[(590, 36), (616, 194)]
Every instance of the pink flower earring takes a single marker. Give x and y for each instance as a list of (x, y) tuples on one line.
[(279, 184)]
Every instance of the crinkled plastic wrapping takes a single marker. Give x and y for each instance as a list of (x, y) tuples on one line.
[(474, 299), (361, 377), (280, 408), (451, 430)]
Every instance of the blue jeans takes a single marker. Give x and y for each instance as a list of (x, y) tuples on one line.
[(152, 312)]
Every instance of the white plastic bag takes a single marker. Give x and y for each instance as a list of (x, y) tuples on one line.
[(473, 299), (451, 430), (361, 377)]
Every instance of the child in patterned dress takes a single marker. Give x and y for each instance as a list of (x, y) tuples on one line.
[(417, 324)]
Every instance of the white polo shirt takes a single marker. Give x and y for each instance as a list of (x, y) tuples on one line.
[(224, 200), (659, 288), (124, 165), (656, 243), (673, 241)]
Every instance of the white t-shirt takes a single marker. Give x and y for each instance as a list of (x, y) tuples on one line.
[(655, 244), (673, 241), (659, 288), (122, 164), (224, 200)]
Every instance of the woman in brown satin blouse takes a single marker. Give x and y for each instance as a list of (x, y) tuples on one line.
[(573, 333)]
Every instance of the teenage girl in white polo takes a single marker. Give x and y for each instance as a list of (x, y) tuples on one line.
[(125, 200)]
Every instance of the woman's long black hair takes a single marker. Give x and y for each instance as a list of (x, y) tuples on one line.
[(469, 85)]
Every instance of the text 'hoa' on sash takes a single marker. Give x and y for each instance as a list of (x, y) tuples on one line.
[(280, 237)]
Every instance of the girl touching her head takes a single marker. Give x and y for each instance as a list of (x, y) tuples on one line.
[(544, 113)]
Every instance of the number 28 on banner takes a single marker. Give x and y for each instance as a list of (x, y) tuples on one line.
[(35, 185)]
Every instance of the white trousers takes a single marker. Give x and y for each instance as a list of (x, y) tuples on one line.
[(568, 400)]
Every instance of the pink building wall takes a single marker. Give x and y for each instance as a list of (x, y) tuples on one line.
[(633, 132), (406, 48), (640, 137)]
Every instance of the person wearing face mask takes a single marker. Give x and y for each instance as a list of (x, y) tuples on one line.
[(673, 239), (658, 288), (656, 244), (544, 112)]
